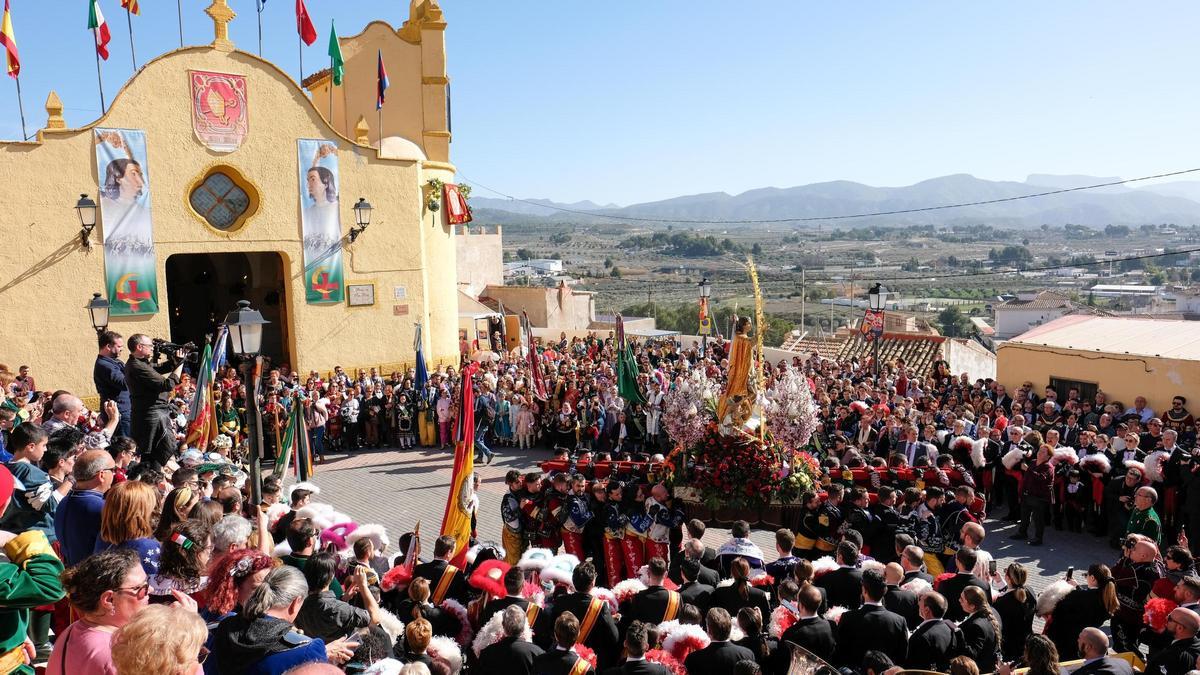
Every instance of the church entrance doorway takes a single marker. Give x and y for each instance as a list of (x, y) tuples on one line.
[(203, 287)]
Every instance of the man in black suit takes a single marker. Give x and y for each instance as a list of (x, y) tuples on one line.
[(695, 530), (1093, 647), (562, 659), (455, 586), (636, 644), (514, 584), (930, 646), (843, 586), (694, 549), (887, 519), (693, 592), (1180, 656), (721, 655), (871, 626), (597, 629), (952, 588), (511, 654), (912, 559), (899, 600), (655, 604), (810, 631)]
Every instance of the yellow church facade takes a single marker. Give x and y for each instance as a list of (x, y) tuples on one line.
[(217, 169)]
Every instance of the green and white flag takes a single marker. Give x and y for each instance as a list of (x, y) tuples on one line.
[(336, 63)]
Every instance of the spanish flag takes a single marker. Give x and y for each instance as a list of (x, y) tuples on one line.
[(457, 521), (8, 39)]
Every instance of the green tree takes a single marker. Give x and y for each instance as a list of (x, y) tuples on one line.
[(615, 273), (608, 263), (756, 249), (953, 323), (525, 254), (560, 238)]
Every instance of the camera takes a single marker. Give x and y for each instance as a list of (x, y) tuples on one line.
[(162, 346)]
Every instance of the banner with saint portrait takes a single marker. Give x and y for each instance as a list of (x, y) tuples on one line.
[(129, 260), (320, 221)]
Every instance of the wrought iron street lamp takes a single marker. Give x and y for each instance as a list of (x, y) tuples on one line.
[(362, 218), (86, 208), (877, 298), (245, 335), (98, 308)]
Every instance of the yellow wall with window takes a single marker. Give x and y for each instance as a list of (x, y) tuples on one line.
[(1121, 376), (49, 276)]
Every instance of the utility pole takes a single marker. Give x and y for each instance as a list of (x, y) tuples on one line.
[(803, 292)]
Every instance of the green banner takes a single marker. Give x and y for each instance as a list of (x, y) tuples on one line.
[(320, 221), (129, 261)]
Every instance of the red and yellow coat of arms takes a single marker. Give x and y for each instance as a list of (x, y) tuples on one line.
[(219, 114)]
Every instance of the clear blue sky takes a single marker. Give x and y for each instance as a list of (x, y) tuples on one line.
[(625, 102)]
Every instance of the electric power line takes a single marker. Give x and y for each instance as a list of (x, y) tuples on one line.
[(938, 277), (822, 218)]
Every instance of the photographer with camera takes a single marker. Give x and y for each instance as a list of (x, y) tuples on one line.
[(150, 386)]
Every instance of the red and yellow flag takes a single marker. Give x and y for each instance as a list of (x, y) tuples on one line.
[(9, 40), (131, 6), (457, 520)]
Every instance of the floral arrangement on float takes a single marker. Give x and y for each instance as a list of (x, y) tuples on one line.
[(746, 466)]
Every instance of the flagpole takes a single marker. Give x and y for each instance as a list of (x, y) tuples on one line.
[(132, 53), (179, 13), (21, 107), (100, 82), (258, 4), (300, 41), (331, 91)]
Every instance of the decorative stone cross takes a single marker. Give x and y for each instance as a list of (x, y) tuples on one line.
[(221, 15)]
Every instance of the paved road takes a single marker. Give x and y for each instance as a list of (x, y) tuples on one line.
[(396, 488)]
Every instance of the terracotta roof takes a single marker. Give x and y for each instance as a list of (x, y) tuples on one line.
[(1043, 300), (314, 78), (827, 348), (918, 351)]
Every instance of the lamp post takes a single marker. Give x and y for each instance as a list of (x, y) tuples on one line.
[(877, 297), (245, 333), (98, 308), (705, 319), (86, 209)]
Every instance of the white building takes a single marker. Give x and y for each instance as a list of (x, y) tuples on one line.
[(539, 267), (1029, 309)]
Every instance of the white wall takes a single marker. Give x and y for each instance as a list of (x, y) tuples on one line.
[(1012, 322), (970, 357)]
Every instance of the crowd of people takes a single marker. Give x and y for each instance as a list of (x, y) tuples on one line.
[(130, 552)]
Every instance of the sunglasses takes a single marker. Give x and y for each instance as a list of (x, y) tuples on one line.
[(138, 592)]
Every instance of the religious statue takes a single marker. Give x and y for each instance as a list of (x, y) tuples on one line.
[(736, 403)]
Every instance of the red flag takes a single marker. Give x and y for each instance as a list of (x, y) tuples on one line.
[(304, 25)]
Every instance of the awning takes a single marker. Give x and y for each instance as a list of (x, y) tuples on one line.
[(470, 308)]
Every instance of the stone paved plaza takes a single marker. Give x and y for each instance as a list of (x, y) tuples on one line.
[(396, 488)]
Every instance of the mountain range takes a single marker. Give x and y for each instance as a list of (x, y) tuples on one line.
[(1173, 202)]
